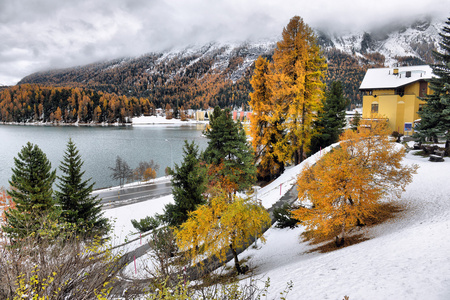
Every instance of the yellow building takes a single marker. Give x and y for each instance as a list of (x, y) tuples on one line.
[(393, 94)]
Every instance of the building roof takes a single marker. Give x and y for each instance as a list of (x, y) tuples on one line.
[(384, 78)]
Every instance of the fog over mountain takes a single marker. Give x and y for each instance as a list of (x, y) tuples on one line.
[(54, 34)]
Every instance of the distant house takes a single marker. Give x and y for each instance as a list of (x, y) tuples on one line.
[(393, 94)]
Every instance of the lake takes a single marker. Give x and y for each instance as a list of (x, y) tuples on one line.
[(99, 146)]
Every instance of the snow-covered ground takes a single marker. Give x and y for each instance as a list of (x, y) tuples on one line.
[(405, 258)]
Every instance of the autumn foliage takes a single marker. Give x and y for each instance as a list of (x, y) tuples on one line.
[(288, 93), (35, 103), (346, 186), (263, 126), (225, 222), (5, 204)]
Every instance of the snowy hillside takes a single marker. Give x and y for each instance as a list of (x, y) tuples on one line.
[(221, 54), (405, 258)]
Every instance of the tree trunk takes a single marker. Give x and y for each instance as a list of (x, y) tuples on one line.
[(435, 139), (358, 220), (296, 157), (340, 241), (447, 147), (236, 260)]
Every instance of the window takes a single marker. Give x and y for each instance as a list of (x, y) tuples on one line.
[(423, 89), (374, 108), (420, 107)]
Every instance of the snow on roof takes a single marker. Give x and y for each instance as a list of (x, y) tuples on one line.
[(384, 78)]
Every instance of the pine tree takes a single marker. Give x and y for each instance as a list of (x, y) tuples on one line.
[(298, 73), (78, 206), (229, 155), (188, 185), (331, 119), (435, 115), (31, 191), (264, 129)]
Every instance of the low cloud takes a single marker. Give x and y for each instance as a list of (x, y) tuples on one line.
[(45, 34)]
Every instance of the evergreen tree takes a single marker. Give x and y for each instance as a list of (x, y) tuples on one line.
[(298, 84), (228, 153), (435, 115), (31, 191), (78, 206), (331, 119), (188, 185), (355, 121)]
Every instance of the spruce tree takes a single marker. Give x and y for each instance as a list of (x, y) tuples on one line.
[(31, 190), (228, 153), (188, 185), (435, 115), (355, 121), (74, 195), (331, 119)]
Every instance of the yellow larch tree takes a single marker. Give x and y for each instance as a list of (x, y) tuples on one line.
[(149, 173), (226, 222), (347, 186), (58, 114), (298, 88), (263, 128)]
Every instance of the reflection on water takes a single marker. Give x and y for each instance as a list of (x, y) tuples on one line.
[(99, 146)]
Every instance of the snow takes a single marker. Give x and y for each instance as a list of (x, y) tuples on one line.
[(121, 217), (385, 78), (404, 258), (160, 120), (405, 40)]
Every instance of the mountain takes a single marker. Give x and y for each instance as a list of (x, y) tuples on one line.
[(218, 73), (398, 43), (197, 76)]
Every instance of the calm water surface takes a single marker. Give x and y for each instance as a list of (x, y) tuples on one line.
[(99, 146)]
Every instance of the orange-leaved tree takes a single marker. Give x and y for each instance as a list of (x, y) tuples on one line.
[(149, 173), (6, 203), (298, 88), (263, 127), (226, 222), (346, 186)]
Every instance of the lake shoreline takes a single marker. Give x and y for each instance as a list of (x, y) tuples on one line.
[(137, 121)]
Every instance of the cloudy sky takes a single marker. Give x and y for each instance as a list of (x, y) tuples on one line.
[(42, 34)]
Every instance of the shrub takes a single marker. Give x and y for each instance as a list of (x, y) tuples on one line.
[(283, 217), (146, 224)]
